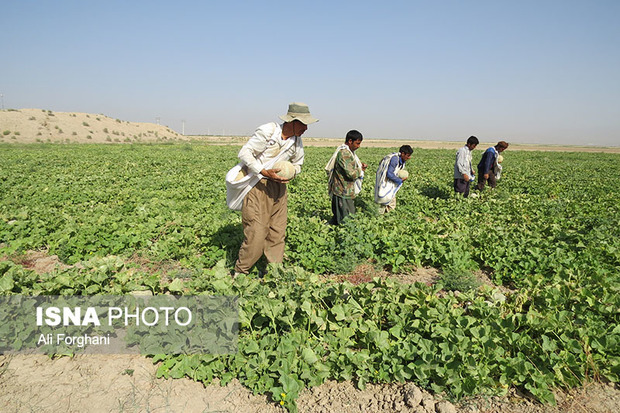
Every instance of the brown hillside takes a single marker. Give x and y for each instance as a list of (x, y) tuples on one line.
[(38, 125)]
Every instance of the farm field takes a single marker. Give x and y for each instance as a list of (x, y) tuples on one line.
[(525, 294)]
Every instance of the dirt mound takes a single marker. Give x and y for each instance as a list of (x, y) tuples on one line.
[(346, 398), (45, 126), (38, 261)]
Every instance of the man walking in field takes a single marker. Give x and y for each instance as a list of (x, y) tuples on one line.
[(346, 173), (390, 177), (264, 210), (488, 165), (463, 171)]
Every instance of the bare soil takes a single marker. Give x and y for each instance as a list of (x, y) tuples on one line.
[(128, 383)]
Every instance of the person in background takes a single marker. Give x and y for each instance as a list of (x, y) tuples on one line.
[(346, 173), (264, 210), (390, 177), (463, 171), (487, 165)]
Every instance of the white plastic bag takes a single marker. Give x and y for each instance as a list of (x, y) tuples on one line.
[(385, 189)]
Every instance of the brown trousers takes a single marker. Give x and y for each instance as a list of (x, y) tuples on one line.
[(263, 215)]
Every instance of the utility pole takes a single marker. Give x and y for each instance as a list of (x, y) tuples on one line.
[(183, 127), (157, 119), (2, 99)]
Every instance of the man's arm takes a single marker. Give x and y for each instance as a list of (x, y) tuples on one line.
[(255, 146), (390, 171)]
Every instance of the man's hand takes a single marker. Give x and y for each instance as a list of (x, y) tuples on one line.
[(486, 176), (272, 174), (364, 166), (466, 177)]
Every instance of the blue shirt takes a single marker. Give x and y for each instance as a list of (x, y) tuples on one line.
[(488, 160), (394, 162)]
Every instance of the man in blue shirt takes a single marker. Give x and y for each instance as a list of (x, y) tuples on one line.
[(390, 176), (487, 163)]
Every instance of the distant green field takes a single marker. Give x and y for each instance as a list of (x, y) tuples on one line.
[(550, 231)]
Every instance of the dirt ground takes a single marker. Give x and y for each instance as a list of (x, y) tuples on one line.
[(128, 383)]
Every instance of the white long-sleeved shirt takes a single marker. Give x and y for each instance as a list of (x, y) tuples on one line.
[(462, 165), (265, 144)]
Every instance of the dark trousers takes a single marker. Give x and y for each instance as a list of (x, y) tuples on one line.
[(462, 186), (482, 181), (341, 207)]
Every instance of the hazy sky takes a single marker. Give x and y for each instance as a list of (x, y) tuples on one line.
[(545, 71)]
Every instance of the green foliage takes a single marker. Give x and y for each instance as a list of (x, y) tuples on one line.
[(555, 241)]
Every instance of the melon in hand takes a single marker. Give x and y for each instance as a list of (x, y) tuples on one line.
[(287, 170)]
